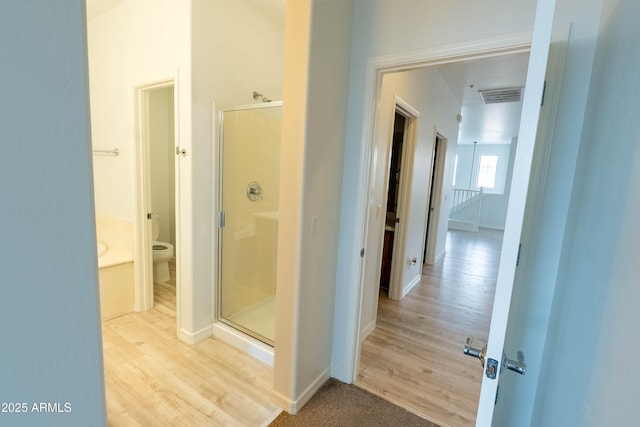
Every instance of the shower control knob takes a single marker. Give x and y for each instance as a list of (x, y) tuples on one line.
[(254, 191)]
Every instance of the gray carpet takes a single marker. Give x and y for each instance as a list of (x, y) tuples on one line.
[(339, 404)]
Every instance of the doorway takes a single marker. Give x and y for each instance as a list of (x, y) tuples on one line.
[(452, 288), (394, 191), (157, 221)]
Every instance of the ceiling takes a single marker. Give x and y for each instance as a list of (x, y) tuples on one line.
[(491, 123)]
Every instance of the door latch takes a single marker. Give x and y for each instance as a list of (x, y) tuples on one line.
[(514, 365), (475, 352)]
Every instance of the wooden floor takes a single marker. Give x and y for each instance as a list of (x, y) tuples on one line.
[(154, 379), (414, 357)]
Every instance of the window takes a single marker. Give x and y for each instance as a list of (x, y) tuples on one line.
[(487, 171), (455, 170)]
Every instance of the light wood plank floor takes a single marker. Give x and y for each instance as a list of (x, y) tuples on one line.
[(154, 379), (414, 356)]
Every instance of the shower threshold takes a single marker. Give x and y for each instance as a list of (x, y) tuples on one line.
[(257, 320)]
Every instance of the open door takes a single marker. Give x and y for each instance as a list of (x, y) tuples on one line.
[(495, 361)]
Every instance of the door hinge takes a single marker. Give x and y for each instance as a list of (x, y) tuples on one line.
[(518, 257), (182, 151), (362, 253), (149, 215), (544, 92), (221, 219)]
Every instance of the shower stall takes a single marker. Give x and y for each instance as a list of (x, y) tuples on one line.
[(248, 233)]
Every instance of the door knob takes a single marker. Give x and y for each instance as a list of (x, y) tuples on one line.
[(475, 352)]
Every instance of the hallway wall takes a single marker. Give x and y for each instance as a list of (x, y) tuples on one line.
[(50, 327), (596, 306)]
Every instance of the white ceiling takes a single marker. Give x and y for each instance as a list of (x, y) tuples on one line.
[(493, 123)]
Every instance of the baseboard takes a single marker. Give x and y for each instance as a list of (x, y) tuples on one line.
[(413, 284), (461, 225), (439, 256), (367, 330), (492, 227), (252, 347), (192, 338), (293, 406)]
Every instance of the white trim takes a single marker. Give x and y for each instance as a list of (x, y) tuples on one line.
[(440, 256), (406, 172), (143, 256), (536, 73), (293, 406), (192, 338), (415, 282), (254, 348), (375, 68), (366, 331)]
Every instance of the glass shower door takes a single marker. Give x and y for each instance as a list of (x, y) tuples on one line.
[(250, 176)]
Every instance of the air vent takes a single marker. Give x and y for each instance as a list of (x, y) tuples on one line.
[(497, 96)]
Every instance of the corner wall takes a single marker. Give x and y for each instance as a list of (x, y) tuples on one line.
[(314, 120), (50, 328)]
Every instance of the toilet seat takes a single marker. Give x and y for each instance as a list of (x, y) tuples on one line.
[(159, 247)]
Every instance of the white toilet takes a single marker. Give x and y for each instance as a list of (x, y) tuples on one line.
[(162, 254)]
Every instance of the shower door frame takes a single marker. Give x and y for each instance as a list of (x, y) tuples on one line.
[(253, 342)]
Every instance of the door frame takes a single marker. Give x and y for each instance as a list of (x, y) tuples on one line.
[(376, 68), (438, 161), (142, 226), (410, 115)]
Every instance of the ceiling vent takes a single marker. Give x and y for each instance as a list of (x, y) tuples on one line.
[(497, 96)]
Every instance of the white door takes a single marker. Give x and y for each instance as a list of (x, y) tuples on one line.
[(493, 368)]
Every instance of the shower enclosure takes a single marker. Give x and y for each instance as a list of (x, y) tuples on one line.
[(249, 195)]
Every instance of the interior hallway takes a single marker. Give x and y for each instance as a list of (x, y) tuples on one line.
[(414, 357), (154, 379)]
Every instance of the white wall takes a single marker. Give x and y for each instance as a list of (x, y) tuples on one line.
[(427, 92), (591, 351), (136, 43), (50, 327), (314, 120)]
